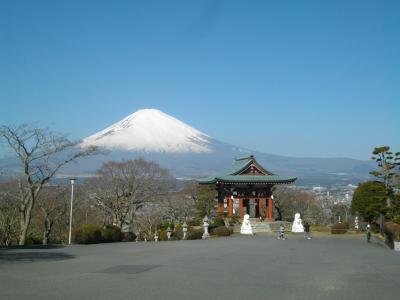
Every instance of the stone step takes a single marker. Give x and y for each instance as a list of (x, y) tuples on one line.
[(266, 226), (275, 225), (261, 227), (257, 227)]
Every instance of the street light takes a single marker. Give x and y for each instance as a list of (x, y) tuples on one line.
[(70, 213)]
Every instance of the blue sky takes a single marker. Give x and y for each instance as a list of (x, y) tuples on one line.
[(298, 78)]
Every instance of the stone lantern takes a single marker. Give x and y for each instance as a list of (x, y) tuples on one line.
[(156, 237), (205, 226), (169, 232), (184, 229)]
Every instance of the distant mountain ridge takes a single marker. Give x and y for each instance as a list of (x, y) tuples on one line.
[(189, 153)]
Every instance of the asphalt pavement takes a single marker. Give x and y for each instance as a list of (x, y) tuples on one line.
[(237, 267)]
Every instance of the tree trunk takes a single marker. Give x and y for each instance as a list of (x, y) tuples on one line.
[(45, 237), (22, 234), (23, 228), (25, 220), (47, 230)]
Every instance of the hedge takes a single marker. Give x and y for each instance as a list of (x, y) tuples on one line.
[(88, 234), (93, 234), (128, 237), (196, 234), (222, 231), (339, 228), (111, 234)]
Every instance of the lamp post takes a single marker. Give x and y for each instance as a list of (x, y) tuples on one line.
[(70, 213)]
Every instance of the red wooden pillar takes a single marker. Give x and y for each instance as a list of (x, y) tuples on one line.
[(229, 202), (269, 208), (260, 207), (221, 206), (241, 208)]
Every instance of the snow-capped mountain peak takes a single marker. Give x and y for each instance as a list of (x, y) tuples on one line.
[(150, 130)]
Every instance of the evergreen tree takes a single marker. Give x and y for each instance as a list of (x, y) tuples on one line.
[(369, 199)]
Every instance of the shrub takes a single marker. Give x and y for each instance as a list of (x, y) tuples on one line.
[(88, 234), (111, 234), (128, 236), (32, 240), (196, 234), (218, 221), (396, 218), (162, 234), (222, 231), (235, 219), (177, 233), (339, 228), (193, 222), (375, 228), (320, 228), (392, 233)]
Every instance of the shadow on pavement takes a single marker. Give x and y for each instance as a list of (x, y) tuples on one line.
[(26, 257), (51, 246)]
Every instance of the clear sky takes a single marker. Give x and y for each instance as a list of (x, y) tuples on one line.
[(298, 78)]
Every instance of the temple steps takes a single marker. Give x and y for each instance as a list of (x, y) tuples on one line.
[(259, 227)]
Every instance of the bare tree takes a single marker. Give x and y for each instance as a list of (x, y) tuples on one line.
[(122, 188), (149, 220), (178, 207), (41, 154), (288, 201), (204, 198), (53, 205), (8, 213)]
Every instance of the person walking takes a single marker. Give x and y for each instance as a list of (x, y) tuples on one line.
[(281, 232), (368, 231), (307, 231)]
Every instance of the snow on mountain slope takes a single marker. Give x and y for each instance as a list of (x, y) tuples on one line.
[(151, 130)]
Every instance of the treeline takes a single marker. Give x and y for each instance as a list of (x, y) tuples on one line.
[(135, 196)]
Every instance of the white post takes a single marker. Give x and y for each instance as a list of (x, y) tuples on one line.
[(70, 213)]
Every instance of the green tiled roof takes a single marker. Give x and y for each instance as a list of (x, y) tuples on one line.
[(237, 166), (273, 179), (230, 175)]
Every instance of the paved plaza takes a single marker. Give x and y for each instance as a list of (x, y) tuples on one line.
[(238, 267)]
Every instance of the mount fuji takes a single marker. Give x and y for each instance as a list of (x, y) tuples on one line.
[(187, 152), (151, 130)]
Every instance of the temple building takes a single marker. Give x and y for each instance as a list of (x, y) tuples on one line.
[(246, 188)]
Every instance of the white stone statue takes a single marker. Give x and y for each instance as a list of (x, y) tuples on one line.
[(297, 226), (246, 226), (205, 226)]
